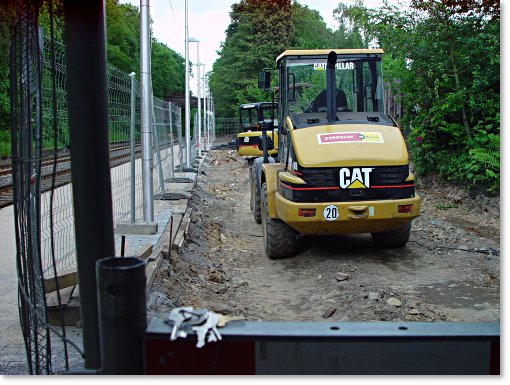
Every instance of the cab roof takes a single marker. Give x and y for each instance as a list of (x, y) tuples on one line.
[(254, 105), (316, 52)]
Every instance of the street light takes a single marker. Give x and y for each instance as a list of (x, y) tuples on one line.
[(186, 82), (193, 40)]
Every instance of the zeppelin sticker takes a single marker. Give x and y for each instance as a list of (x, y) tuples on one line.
[(350, 137)]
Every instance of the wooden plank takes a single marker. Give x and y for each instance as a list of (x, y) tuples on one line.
[(65, 298), (70, 313), (183, 228), (145, 252), (65, 278)]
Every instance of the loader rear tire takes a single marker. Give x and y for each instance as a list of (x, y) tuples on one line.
[(279, 238), (255, 197), (393, 238)]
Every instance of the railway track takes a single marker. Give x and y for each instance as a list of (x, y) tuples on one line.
[(119, 154)]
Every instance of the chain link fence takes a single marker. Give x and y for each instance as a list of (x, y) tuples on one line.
[(42, 171), (125, 151)]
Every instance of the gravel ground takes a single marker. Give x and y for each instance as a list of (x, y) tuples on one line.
[(449, 270)]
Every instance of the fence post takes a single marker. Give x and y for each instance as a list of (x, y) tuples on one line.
[(88, 122), (122, 314), (132, 140), (179, 137), (158, 153), (171, 115), (145, 78)]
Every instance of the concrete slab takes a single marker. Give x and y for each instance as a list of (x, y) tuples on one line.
[(138, 228)]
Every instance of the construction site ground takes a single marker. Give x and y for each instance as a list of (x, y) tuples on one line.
[(449, 270)]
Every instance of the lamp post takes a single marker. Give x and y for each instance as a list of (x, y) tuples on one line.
[(186, 88), (193, 40)]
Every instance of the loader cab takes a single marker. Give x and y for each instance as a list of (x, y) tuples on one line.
[(349, 79), (252, 116), (357, 86), (252, 113)]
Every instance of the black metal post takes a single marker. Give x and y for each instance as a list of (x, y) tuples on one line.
[(88, 122), (331, 87), (122, 314), (264, 141)]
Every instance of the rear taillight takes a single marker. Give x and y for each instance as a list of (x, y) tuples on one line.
[(404, 209), (306, 212)]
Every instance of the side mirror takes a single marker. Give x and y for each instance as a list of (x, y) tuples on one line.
[(264, 81)]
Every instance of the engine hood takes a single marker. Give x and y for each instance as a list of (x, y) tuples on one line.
[(349, 145)]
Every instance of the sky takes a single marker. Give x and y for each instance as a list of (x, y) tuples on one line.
[(207, 22)]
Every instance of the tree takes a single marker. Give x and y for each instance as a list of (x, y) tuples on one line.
[(443, 57), (259, 31)]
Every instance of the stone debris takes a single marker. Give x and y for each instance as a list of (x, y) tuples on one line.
[(374, 296), (329, 312), (393, 302), (414, 312), (341, 276)]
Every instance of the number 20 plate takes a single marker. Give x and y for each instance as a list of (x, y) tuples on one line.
[(330, 213)]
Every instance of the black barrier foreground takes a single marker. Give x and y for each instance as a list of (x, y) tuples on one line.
[(312, 348)]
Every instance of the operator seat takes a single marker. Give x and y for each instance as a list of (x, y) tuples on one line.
[(320, 102)]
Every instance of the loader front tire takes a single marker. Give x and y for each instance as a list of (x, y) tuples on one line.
[(279, 238)]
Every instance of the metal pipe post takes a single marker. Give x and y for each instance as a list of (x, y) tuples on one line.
[(186, 97), (122, 314), (199, 103), (146, 112), (172, 161), (202, 85), (132, 140), (84, 23)]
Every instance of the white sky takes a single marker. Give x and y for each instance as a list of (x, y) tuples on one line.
[(207, 22)]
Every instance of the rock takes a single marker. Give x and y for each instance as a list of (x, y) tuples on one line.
[(221, 290), (414, 312), (215, 277), (223, 238), (374, 296), (393, 302), (329, 312), (463, 247), (341, 276)]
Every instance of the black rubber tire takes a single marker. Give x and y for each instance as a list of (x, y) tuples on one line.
[(251, 187), (393, 238), (279, 238), (256, 198)]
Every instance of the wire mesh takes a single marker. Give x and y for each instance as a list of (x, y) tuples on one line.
[(226, 126), (42, 173), (26, 138)]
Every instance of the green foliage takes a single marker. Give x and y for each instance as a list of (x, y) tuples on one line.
[(5, 144), (443, 58), (6, 19), (258, 32), (123, 36), (167, 70)]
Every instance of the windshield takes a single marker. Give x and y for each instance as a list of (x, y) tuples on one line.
[(358, 82), (253, 113)]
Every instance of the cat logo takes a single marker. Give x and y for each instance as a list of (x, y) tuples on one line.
[(355, 178)]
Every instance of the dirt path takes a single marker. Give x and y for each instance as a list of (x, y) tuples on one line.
[(449, 271)]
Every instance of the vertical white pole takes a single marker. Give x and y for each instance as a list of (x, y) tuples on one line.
[(186, 76), (146, 112), (199, 102)]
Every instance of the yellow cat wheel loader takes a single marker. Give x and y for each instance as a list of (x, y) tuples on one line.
[(343, 165), (252, 116), (248, 139)]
